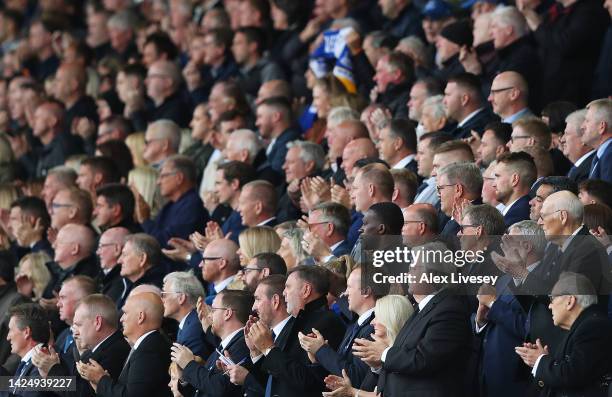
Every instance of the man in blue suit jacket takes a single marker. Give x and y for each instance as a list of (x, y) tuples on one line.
[(515, 173), (597, 133), (335, 361), (184, 212), (274, 121), (180, 295)]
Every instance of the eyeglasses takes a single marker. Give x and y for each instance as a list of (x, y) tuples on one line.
[(102, 245), (498, 90), (210, 258), (166, 174), (514, 138), (542, 216), (310, 225), (245, 270), (409, 222), (440, 187), (462, 227), (58, 205)]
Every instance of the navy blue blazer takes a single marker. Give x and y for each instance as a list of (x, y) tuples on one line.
[(343, 249), (581, 173), (518, 212), (602, 169), (178, 219), (336, 360), (29, 370), (356, 222), (476, 123), (502, 371), (192, 335), (277, 155), (233, 224)]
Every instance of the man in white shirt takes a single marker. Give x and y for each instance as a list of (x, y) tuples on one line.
[(397, 144), (220, 264)]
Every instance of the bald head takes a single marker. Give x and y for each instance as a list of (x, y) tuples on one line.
[(146, 288), (224, 248), (352, 129), (273, 88), (114, 235), (564, 201), (73, 243), (149, 307)]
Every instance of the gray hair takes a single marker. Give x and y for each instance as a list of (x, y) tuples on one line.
[(167, 129), (417, 46), (603, 112), (436, 105), (123, 20), (578, 286), (468, 174), (511, 16), (576, 118), (567, 201), (340, 114), (185, 283), (536, 235), (64, 175), (145, 244), (310, 151), (246, 140), (488, 217), (337, 214), (184, 165)]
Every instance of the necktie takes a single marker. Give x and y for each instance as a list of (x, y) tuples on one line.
[(68, 342), (572, 172), (350, 337), (594, 169), (20, 368), (127, 360), (268, 392)]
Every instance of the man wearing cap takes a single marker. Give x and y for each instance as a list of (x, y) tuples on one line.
[(436, 15), (448, 44)]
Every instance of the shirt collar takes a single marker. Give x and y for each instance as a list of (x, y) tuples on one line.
[(28, 355), (263, 223), (142, 337), (403, 162), (583, 158), (182, 322), (512, 118), (425, 301), (570, 238), (362, 319), (278, 328), (221, 285), (602, 148), (102, 341), (507, 207), (469, 117), (229, 338)]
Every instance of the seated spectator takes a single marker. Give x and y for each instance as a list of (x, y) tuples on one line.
[(420, 224), (291, 249), (144, 181), (509, 97), (95, 172), (28, 223), (33, 276), (449, 42), (256, 240), (262, 266), (405, 184), (427, 146), (163, 82), (545, 187), (220, 264), (162, 140), (180, 295), (595, 191), (397, 145), (597, 128), (493, 142), (394, 75), (184, 212), (515, 173), (326, 238), (115, 127), (421, 90), (109, 251), (579, 153), (72, 205), (115, 208), (58, 178), (258, 204)]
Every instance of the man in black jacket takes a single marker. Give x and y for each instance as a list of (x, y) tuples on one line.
[(230, 311), (290, 372), (430, 352), (581, 362), (109, 250), (97, 338), (145, 372), (394, 76)]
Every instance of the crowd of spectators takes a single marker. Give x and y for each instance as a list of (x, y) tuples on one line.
[(190, 189)]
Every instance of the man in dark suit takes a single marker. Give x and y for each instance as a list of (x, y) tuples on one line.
[(28, 222), (579, 153), (28, 327), (514, 175), (230, 311), (220, 264), (429, 355), (109, 250), (261, 266), (115, 207), (292, 374), (180, 295), (458, 184), (271, 310), (328, 225), (96, 337), (141, 263), (274, 121), (463, 103), (581, 364), (361, 303), (545, 187), (145, 372), (258, 204), (597, 134), (397, 144)]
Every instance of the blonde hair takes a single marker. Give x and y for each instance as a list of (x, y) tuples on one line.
[(8, 194), (38, 272), (393, 311), (258, 239), (136, 143), (144, 179)]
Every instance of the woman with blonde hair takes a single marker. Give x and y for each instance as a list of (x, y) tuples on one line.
[(291, 247), (256, 240), (144, 180), (8, 194), (136, 143), (33, 275), (390, 314)]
